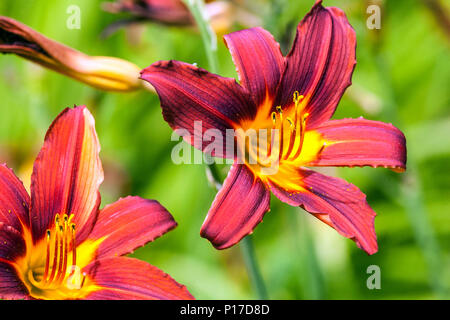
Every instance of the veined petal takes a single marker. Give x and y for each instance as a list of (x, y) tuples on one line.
[(128, 224), (125, 278), (237, 209), (12, 244), (11, 287), (259, 62), (67, 174), (361, 142), (12, 247), (14, 200), (336, 202), (320, 64), (189, 94)]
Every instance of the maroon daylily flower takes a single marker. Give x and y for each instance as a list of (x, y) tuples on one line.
[(57, 244), (295, 96)]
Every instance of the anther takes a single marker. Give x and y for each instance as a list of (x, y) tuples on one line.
[(47, 259), (297, 97), (291, 124), (279, 109)]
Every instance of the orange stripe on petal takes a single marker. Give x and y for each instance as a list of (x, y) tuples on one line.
[(67, 174)]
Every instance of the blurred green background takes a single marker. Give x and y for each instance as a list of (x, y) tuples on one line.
[(402, 76)]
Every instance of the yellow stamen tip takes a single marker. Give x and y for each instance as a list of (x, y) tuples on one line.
[(297, 97), (279, 110), (274, 117), (290, 122)]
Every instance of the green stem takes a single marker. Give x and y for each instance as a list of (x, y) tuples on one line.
[(207, 33), (210, 43), (252, 267)]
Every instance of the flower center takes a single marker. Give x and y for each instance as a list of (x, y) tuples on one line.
[(289, 140), (280, 138), (61, 258)]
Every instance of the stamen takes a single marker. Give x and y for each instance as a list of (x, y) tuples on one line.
[(64, 241), (63, 259), (280, 111), (55, 259), (74, 247), (47, 259)]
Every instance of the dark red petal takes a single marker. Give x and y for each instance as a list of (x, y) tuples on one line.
[(336, 202), (12, 243), (259, 61), (190, 94), (360, 142), (128, 224), (67, 174), (237, 209), (11, 287), (320, 64), (12, 247), (14, 200), (131, 279)]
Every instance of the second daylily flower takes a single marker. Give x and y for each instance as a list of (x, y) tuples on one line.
[(295, 96), (58, 244), (221, 14)]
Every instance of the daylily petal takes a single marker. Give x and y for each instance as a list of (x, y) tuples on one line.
[(12, 243), (106, 73), (237, 209), (336, 202), (12, 247), (320, 64), (189, 94), (67, 174), (127, 278), (128, 224), (361, 142), (11, 287), (259, 62), (14, 200)]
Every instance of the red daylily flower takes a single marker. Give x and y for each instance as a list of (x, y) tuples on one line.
[(57, 244), (296, 95)]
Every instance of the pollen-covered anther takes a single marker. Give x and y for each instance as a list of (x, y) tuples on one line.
[(61, 244), (291, 141)]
